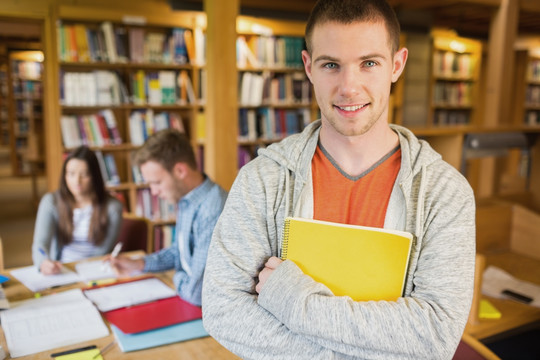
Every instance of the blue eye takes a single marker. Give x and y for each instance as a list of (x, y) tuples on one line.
[(331, 66), (370, 63)]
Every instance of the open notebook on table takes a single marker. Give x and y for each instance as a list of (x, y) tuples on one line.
[(30, 277), (364, 263), (50, 322), (142, 305)]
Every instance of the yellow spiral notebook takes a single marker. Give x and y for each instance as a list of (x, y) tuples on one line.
[(364, 263)]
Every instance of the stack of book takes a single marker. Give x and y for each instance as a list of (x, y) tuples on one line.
[(146, 313)]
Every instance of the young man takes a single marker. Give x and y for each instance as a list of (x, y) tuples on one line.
[(351, 167), (168, 166)]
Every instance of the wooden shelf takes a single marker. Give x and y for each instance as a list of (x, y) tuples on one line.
[(124, 76)]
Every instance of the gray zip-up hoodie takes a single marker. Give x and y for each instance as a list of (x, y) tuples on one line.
[(295, 317)]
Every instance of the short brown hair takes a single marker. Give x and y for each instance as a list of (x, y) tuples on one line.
[(349, 11), (167, 147)]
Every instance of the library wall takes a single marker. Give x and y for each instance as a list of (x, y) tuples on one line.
[(227, 122)]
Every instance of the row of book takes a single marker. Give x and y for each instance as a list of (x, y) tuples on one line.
[(108, 169), (22, 127), (451, 117), (27, 69), (451, 64), (269, 88), (162, 87), (164, 236), (452, 93), (105, 88), (99, 129), (532, 95), (28, 89), (269, 51), (271, 124), (153, 208), (532, 117), (99, 87), (143, 123), (120, 44), (25, 108), (246, 154), (533, 70)]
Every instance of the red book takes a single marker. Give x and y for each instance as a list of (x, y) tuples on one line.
[(153, 315)]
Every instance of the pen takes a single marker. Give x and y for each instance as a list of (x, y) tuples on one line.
[(116, 250), (114, 254), (73, 351), (102, 351), (42, 252)]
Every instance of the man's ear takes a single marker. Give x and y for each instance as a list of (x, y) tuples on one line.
[(400, 59), (306, 58), (180, 170)]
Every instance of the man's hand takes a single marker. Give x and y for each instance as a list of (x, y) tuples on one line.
[(124, 266), (269, 267)]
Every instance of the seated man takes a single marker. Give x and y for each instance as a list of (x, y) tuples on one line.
[(168, 165)]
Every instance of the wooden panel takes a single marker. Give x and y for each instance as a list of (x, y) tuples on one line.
[(535, 175), (500, 64), (250, 25), (449, 147), (220, 151), (480, 265), (493, 224), (51, 110), (143, 11), (525, 236)]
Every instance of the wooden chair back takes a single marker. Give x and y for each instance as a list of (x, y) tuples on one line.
[(470, 348), (1, 255), (134, 233)]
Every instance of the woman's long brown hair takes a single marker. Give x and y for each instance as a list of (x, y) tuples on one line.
[(65, 202)]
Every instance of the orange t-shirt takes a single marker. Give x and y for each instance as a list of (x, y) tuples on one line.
[(360, 200)]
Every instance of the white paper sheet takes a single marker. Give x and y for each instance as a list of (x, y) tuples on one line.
[(496, 280), (36, 281), (49, 322), (94, 270), (97, 269), (127, 294)]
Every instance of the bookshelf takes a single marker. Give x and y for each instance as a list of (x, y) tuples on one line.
[(274, 94), (120, 79), (454, 81), (528, 89), (218, 135), (25, 92), (4, 107)]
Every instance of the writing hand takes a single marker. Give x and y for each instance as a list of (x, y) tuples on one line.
[(124, 266), (49, 267), (269, 267)]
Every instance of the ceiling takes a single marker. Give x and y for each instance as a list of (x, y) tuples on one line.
[(467, 17)]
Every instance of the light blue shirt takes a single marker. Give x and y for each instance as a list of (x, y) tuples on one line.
[(196, 217)]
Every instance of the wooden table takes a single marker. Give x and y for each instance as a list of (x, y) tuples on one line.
[(204, 348), (514, 314)]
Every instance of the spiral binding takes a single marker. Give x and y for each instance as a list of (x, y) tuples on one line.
[(285, 242)]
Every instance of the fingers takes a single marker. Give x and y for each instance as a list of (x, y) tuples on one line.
[(273, 262), (49, 267), (265, 273), (124, 266)]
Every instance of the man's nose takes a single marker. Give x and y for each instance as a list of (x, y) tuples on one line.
[(349, 82)]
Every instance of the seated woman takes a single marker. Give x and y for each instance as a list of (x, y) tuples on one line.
[(77, 221)]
